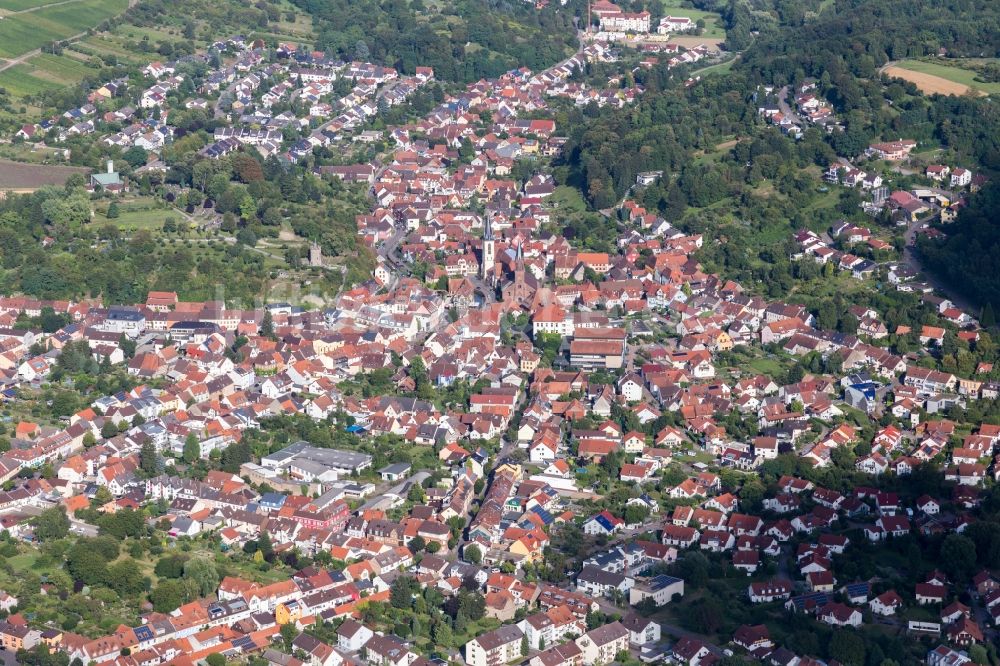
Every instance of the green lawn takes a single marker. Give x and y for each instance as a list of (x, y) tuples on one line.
[(713, 22), (826, 199), (720, 68), (142, 219), (698, 456), (24, 561), (138, 214), (966, 77), (767, 366), (820, 288), (568, 200)]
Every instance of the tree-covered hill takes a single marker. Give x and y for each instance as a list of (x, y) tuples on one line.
[(729, 174), (463, 40), (865, 34), (842, 47), (968, 259)]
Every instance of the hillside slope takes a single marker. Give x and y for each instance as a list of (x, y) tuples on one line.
[(463, 40)]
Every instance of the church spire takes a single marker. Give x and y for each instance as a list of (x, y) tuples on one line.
[(486, 265), (488, 228)]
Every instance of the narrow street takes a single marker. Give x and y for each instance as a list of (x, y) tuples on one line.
[(217, 112), (786, 109), (911, 259)]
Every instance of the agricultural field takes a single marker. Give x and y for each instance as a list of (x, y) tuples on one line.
[(26, 25), (691, 41), (30, 30), (42, 72), (932, 77), (21, 176), (12, 6), (61, 69), (20, 82)]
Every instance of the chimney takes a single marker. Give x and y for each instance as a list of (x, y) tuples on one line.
[(111, 166)]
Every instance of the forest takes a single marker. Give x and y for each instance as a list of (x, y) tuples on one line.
[(606, 149), (466, 41), (967, 258), (671, 124), (865, 34)]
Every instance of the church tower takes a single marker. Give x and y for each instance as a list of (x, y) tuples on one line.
[(486, 265)]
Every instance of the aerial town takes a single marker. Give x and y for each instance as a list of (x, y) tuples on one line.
[(536, 430)]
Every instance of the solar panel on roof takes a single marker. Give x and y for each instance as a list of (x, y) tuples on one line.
[(143, 633), (244, 643), (663, 580), (542, 513), (817, 598)]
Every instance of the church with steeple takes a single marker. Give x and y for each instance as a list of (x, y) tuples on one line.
[(520, 291), (487, 263)]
